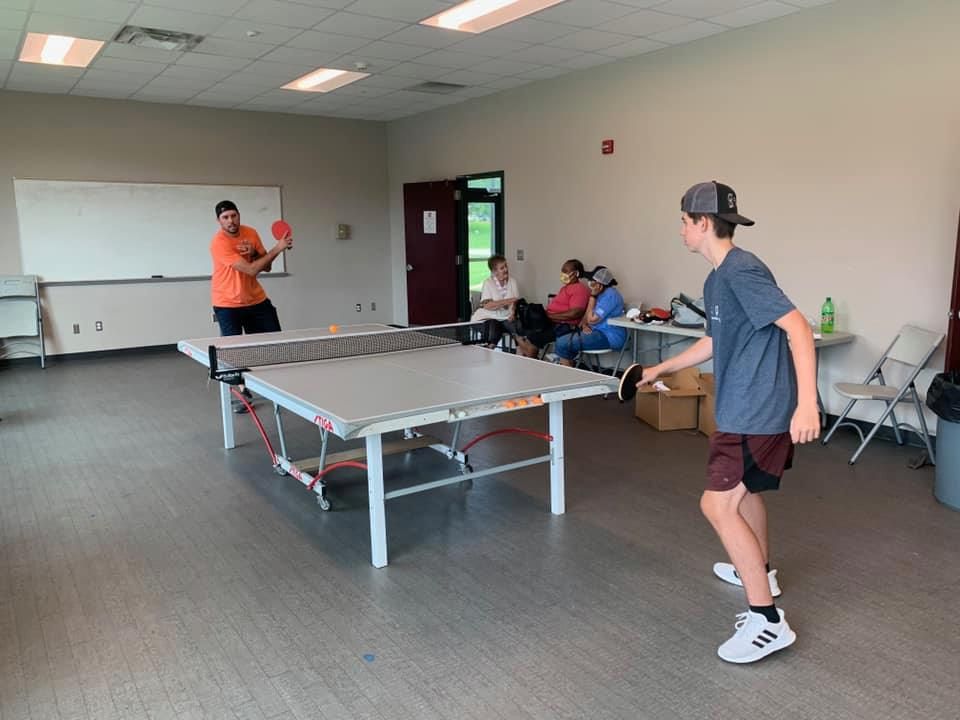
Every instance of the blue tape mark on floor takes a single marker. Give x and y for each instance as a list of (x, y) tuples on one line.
[(369, 657)]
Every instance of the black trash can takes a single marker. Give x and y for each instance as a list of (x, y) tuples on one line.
[(943, 398)]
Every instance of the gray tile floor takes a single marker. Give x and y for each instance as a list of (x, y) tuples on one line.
[(147, 573)]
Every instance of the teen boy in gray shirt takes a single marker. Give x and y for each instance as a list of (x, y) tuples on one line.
[(766, 402)]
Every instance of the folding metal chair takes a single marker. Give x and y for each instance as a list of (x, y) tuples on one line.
[(912, 347)]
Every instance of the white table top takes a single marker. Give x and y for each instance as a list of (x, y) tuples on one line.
[(363, 390), (825, 340)]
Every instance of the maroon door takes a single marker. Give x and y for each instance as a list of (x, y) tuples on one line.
[(430, 227), (953, 324)]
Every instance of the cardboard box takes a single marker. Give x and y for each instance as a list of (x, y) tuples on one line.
[(707, 423), (675, 409)]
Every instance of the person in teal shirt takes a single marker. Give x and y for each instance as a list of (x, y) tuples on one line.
[(596, 333)]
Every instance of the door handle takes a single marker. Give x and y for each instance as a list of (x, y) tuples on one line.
[(409, 268)]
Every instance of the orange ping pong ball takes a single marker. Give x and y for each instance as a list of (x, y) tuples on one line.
[(334, 328)]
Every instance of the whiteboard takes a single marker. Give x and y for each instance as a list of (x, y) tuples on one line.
[(89, 231)]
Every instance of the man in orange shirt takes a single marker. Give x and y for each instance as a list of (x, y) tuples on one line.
[(240, 303)]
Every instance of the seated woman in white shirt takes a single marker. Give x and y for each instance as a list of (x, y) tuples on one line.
[(499, 294)]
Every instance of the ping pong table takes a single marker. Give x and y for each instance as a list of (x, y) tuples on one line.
[(364, 381)]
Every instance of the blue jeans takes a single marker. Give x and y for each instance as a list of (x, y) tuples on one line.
[(258, 318), (569, 346)]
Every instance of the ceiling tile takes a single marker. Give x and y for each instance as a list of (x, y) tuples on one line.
[(373, 65), (169, 19), (700, 9), (392, 51), (327, 42), (36, 86), (584, 13), (587, 60), (409, 10), (128, 66), (530, 30), (451, 59), (284, 72), (424, 72), (638, 46), (687, 33), (469, 77), (16, 4), (644, 22), (284, 13), (587, 40), (542, 55), (110, 93), (505, 67), (106, 10), (390, 82), (75, 27), (425, 36), (544, 73), (132, 52), (185, 72), (95, 78), (232, 94), (9, 43), (365, 26), (809, 3), (300, 56), (4, 69), (47, 75), (224, 8), (488, 45), (213, 62), (162, 95), (235, 29), (229, 48), (754, 14), (179, 84), (12, 19)]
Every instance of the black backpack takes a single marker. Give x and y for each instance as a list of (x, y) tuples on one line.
[(531, 317)]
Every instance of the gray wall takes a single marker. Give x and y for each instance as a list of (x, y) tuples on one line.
[(332, 171), (838, 127)]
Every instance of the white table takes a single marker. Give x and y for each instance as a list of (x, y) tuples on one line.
[(682, 335), (369, 395)]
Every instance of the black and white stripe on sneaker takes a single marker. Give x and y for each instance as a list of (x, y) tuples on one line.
[(764, 638), (756, 637)]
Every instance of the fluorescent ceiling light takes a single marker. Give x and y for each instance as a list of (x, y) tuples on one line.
[(324, 80), (59, 50), (477, 16)]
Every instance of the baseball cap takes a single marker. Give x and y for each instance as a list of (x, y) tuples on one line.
[(602, 275), (225, 205), (713, 198)]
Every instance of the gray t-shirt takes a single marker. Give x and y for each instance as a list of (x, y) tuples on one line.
[(756, 382)]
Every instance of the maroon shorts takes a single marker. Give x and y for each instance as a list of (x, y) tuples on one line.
[(757, 461)]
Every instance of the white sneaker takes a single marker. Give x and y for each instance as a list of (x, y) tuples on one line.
[(728, 573), (755, 638)]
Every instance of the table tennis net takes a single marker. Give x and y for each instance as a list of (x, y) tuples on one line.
[(227, 362)]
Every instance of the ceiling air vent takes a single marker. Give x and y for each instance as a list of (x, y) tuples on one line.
[(438, 88), (157, 39)]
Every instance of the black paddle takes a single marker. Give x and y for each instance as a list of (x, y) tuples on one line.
[(628, 382)]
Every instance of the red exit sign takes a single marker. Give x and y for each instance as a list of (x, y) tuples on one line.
[(606, 147)]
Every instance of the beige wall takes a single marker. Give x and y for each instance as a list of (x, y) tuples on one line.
[(331, 171), (838, 127)]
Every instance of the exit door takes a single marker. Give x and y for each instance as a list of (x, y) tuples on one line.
[(953, 324)]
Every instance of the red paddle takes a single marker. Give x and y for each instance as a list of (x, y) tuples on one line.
[(281, 229)]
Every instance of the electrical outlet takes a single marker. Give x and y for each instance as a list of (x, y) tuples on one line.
[(99, 325), (373, 306), (76, 328), (359, 307), (519, 254)]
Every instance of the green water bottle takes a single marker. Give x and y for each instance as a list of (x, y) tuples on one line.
[(826, 317)]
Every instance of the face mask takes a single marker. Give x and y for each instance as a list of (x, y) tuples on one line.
[(566, 278)]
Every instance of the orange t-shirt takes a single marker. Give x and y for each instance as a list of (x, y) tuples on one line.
[(230, 287)]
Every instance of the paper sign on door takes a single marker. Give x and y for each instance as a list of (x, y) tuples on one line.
[(429, 222)]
